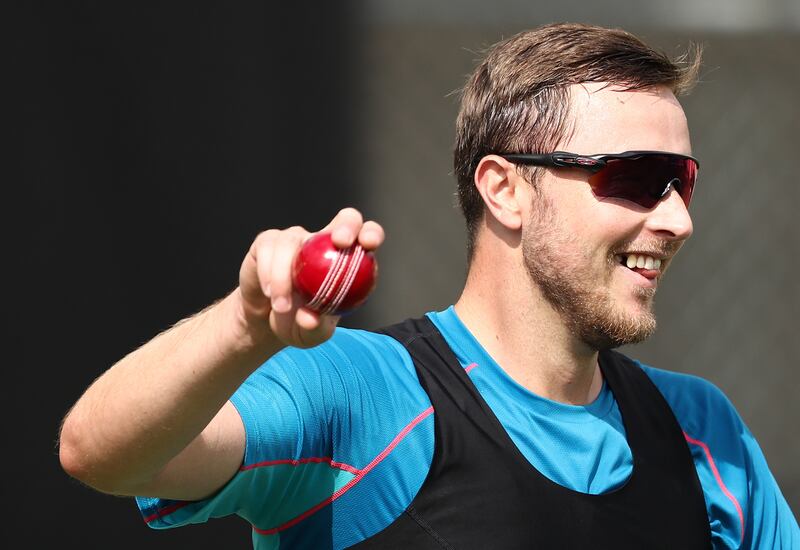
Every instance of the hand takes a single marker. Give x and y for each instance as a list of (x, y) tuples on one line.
[(269, 301)]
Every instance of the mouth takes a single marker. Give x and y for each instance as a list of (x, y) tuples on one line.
[(640, 261), (646, 265)]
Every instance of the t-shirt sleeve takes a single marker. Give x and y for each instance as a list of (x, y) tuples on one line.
[(286, 407), (310, 417), (745, 505)]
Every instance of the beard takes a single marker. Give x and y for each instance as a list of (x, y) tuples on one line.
[(572, 285)]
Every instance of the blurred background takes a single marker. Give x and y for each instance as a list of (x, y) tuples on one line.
[(151, 143)]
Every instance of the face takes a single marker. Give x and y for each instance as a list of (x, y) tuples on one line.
[(577, 247)]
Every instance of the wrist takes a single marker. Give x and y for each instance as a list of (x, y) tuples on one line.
[(246, 332)]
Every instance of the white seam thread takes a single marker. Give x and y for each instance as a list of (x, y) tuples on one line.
[(322, 291), (355, 263)]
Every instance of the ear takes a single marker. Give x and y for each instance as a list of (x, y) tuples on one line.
[(501, 188)]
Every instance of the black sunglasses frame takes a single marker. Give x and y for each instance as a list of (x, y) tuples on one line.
[(591, 163), (646, 195)]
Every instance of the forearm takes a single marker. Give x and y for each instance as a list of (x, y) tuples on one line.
[(150, 405), (155, 423)]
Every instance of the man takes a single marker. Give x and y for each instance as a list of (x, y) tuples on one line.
[(501, 422)]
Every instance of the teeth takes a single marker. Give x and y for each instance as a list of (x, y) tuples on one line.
[(642, 261)]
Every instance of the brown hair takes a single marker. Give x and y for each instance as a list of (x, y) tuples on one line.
[(516, 100)]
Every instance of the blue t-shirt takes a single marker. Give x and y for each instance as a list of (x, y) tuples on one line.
[(340, 438)]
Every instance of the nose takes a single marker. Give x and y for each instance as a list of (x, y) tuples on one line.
[(670, 219)]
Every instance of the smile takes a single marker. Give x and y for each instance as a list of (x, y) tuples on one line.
[(642, 261)]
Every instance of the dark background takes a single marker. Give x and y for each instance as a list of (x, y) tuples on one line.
[(151, 143), (156, 142)]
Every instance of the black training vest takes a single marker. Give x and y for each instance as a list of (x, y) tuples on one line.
[(481, 492)]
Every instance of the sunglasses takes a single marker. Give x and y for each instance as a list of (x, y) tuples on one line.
[(643, 177)]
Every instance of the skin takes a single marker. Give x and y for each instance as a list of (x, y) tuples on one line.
[(159, 422), (505, 309)]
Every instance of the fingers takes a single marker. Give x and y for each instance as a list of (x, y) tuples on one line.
[(254, 273), (266, 277), (348, 226), (285, 247), (344, 227), (371, 235), (301, 327), (263, 253)]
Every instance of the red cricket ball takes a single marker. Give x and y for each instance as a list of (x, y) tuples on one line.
[(333, 281)]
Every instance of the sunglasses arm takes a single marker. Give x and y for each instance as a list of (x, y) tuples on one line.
[(571, 160), (559, 159)]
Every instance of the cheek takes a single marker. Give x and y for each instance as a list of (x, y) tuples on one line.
[(613, 222), (592, 225), (581, 217), (597, 228)]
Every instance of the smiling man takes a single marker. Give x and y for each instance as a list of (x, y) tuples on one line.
[(505, 421)]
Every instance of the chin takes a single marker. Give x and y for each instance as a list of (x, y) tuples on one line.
[(616, 325), (619, 336)]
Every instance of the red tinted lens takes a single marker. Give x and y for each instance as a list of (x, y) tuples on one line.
[(645, 180)]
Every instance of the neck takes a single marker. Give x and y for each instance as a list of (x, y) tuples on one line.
[(507, 314)]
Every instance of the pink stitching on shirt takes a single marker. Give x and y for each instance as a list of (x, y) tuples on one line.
[(364, 471), (722, 486), (167, 510), (312, 460), (470, 367)]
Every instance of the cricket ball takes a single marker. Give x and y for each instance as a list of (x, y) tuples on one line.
[(331, 280)]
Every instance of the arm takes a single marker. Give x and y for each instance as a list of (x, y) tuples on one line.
[(745, 505), (159, 421)]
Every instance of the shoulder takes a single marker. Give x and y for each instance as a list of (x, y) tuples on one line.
[(361, 350), (695, 401), (347, 348), (744, 502), (318, 387), (722, 449), (335, 398), (318, 420), (349, 359)]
